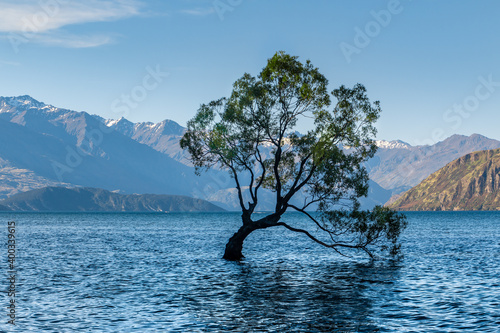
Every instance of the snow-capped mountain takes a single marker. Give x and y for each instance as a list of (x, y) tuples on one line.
[(399, 166), (395, 144), (165, 127), (163, 136), (23, 103), (41, 144)]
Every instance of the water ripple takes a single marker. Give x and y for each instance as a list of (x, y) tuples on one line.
[(163, 273)]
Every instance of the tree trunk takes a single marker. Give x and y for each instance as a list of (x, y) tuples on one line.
[(235, 244)]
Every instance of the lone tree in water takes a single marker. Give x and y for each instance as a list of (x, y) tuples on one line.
[(251, 134)]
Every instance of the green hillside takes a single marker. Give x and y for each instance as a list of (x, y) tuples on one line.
[(471, 182)]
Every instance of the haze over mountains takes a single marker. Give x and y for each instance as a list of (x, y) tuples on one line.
[(53, 146), (42, 145)]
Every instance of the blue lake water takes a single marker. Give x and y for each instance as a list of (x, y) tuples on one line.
[(164, 273)]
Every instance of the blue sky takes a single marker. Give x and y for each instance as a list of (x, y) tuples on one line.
[(434, 65)]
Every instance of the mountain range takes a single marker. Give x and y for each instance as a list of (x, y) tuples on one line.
[(45, 146), (471, 182), (163, 136), (404, 166)]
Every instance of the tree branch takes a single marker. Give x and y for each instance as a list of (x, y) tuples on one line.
[(310, 216), (331, 246), (238, 187), (292, 191)]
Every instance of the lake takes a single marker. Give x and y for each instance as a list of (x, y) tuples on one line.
[(164, 273)]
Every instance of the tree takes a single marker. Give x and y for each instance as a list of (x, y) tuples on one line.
[(251, 135)]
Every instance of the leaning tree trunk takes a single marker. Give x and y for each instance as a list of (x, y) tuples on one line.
[(235, 244)]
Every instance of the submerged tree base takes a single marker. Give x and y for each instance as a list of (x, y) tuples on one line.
[(234, 246), (232, 255)]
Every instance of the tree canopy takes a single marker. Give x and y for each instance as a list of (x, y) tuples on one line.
[(251, 134)]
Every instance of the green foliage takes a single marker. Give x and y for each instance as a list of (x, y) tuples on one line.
[(380, 226), (250, 134)]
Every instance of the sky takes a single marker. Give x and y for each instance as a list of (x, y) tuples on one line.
[(433, 65)]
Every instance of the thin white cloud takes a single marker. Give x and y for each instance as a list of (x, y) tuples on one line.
[(72, 41), (43, 16), (199, 11), (9, 63)]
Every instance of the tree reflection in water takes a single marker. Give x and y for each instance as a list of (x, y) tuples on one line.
[(288, 295)]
